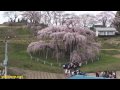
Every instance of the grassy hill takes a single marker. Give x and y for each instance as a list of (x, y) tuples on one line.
[(18, 56), (108, 61)]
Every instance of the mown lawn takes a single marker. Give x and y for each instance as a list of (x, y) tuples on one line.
[(17, 54), (111, 52), (18, 57), (106, 62)]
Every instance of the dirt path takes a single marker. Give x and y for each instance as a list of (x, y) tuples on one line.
[(117, 56), (110, 49)]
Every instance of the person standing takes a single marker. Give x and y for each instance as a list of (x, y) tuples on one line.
[(97, 74), (114, 74), (101, 74), (69, 73), (80, 64), (66, 72), (72, 72)]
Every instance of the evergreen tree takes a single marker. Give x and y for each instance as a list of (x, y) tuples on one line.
[(116, 21)]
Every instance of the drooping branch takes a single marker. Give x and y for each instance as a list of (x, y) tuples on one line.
[(79, 45)]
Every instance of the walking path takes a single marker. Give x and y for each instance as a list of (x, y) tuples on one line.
[(30, 74), (110, 49)]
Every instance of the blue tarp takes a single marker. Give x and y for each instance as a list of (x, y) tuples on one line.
[(86, 77)]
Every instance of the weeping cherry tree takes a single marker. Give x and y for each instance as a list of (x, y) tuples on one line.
[(61, 42)]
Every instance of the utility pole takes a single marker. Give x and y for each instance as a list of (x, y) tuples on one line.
[(6, 59)]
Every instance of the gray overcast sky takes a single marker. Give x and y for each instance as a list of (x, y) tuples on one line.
[(3, 19)]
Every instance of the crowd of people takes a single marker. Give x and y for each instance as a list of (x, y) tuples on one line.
[(72, 69), (106, 74)]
